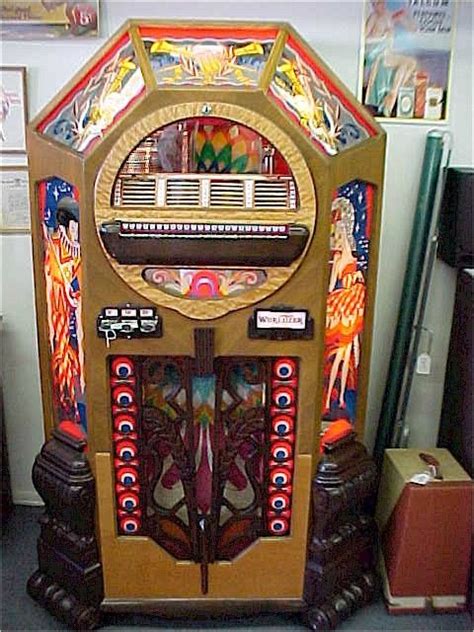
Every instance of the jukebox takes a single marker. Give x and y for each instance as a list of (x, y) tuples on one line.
[(205, 244)]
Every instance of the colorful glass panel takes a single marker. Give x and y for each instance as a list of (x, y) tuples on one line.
[(60, 219), (226, 147), (311, 98), (204, 463), (218, 57), (204, 284), (352, 209), (205, 144), (203, 401), (99, 100), (241, 437)]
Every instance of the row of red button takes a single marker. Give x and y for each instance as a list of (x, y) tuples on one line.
[(284, 385), (124, 414)]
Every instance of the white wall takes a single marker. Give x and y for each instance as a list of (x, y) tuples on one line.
[(333, 28)]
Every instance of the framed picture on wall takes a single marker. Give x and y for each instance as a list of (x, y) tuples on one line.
[(406, 59), (15, 200), (39, 19), (13, 109)]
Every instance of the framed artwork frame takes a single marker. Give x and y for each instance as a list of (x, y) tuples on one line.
[(23, 20), (15, 205), (406, 60), (14, 109)]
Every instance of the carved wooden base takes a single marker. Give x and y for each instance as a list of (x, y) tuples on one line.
[(68, 582), (339, 575), (340, 570), (62, 604), (340, 606)]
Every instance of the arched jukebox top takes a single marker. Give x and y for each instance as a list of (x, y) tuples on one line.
[(207, 203)]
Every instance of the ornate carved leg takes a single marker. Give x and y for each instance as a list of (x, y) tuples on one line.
[(341, 605), (68, 582), (340, 570)]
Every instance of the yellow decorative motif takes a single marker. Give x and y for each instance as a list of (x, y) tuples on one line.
[(206, 63), (310, 109)]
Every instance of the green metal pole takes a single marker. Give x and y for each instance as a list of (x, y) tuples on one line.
[(410, 290)]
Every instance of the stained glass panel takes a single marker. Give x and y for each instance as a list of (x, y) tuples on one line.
[(205, 144), (318, 106), (60, 220), (204, 463), (99, 100), (350, 238), (200, 57)]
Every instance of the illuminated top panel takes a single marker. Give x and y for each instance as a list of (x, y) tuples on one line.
[(238, 57), (100, 99), (304, 91), (205, 56)]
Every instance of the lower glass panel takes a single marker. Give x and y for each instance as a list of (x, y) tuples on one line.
[(204, 463)]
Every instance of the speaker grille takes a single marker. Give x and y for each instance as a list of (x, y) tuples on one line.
[(138, 192)]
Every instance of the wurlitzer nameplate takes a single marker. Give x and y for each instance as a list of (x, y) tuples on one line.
[(281, 324)]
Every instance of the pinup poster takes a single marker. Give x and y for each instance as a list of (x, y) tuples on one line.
[(406, 59)]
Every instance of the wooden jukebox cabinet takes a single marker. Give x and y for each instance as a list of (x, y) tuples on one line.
[(207, 209)]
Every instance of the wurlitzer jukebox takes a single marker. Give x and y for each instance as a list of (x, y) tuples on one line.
[(207, 210)]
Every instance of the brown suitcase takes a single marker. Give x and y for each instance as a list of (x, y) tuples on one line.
[(425, 533)]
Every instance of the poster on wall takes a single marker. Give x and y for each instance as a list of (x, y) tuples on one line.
[(13, 111), (406, 58), (15, 200), (40, 19)]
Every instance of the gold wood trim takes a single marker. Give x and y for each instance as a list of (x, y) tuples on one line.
[(140, 51), (275, 55), (261, 25), (170, 214)]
